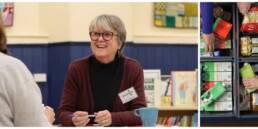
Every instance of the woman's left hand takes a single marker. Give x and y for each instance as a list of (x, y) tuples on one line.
[(50, 114), (103, 118)]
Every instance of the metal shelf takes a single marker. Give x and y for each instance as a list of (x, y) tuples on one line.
[(219, 59), (216, 114), (249, 59), (249, 115)]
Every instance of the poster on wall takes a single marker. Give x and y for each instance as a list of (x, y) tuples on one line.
[(7, 12), (176, 15)]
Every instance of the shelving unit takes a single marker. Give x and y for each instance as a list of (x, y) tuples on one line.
[(234, 117)]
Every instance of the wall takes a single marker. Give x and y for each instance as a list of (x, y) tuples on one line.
[(26, 27), (145, 31), (54, 20), (59, 22), (83, 13)]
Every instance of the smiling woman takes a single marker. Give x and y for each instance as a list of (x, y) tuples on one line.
[(92, 84), (112, 39)]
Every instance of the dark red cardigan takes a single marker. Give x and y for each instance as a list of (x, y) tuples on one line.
[(77, 95)]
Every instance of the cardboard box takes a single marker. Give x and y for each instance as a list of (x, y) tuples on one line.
[(226, 96), (212, 95), (217, 66), (220, 106), (217, 76)]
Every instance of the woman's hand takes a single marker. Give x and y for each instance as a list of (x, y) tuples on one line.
[(103, 118), (243, 7), (50, 114), (209, 40), (251, 82), (80, 118)]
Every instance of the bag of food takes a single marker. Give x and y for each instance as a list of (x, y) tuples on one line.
[(250, 21)]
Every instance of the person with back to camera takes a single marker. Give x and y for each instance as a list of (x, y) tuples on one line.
[(20, 96), (93, 84)]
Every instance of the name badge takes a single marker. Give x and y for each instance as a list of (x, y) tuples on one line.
[(128, 95)]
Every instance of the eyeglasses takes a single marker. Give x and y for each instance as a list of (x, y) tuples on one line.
[(94, 36)]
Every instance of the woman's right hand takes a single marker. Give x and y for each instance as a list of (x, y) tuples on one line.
[(209, 40), (251, 82), (80, 118), (243, 7)]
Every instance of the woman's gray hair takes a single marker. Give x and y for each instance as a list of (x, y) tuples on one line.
[(110, 23)]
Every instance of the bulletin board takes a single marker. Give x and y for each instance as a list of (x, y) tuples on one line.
[(7, 12), (176, 15)]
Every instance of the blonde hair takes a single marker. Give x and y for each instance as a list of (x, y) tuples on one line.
[(110, 23)]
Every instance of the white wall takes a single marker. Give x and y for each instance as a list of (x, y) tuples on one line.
[(82, 14), (26, 27), (57, 22), (145, 31), (54, 20)]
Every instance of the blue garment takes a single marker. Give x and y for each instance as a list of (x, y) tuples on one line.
[(207, 17)]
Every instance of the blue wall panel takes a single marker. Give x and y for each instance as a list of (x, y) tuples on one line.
[(35, 58), (166, 57), (79, 50), (54, 59), (58, 61)]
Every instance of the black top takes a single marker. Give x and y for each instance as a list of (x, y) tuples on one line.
[(105, 82)]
